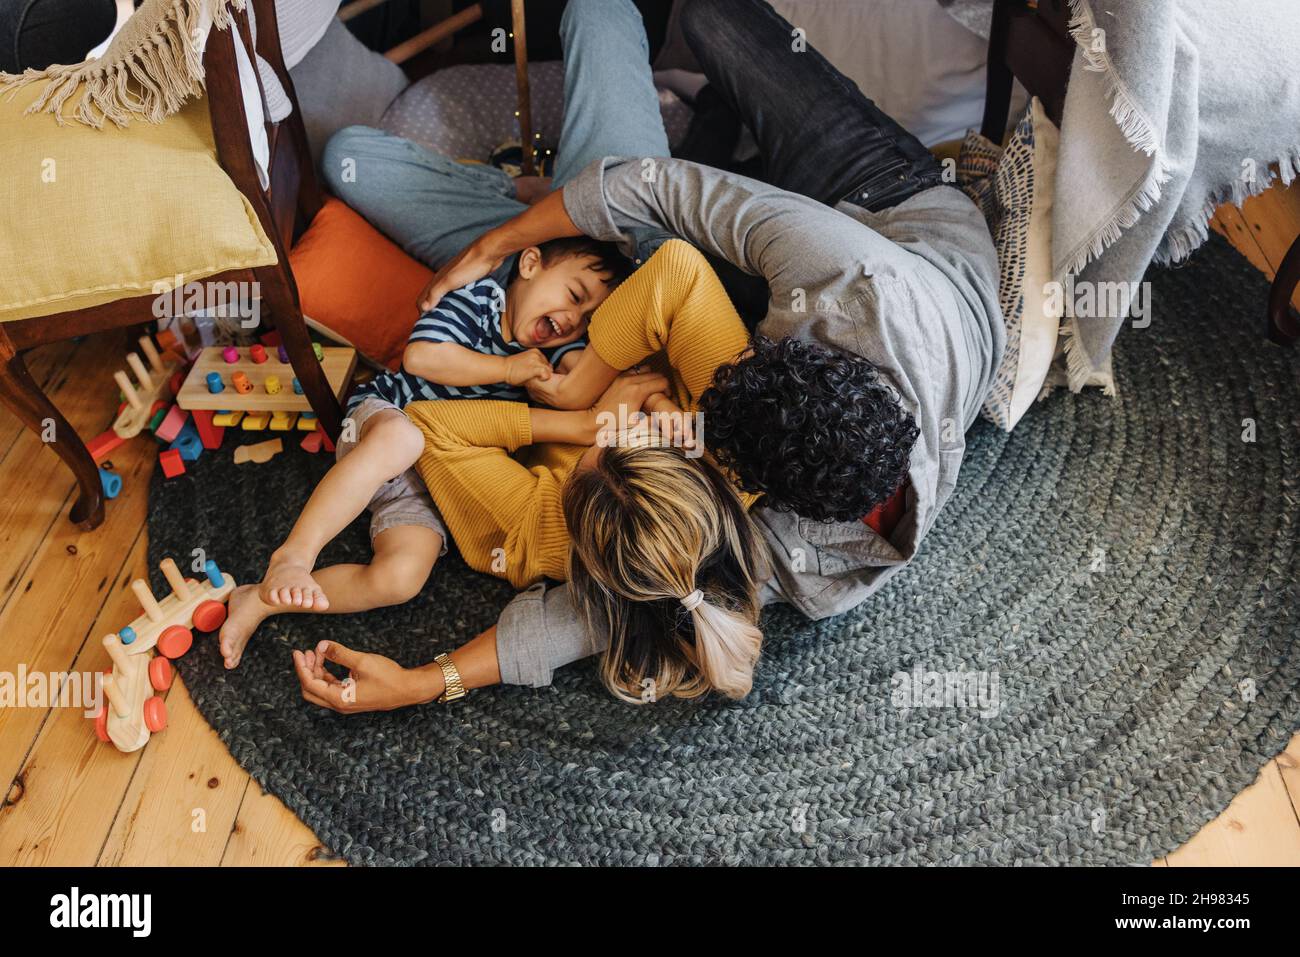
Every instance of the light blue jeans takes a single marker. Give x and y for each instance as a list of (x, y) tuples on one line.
[(434, 207)]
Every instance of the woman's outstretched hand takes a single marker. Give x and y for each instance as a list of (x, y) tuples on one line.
[(375, 683), (470, 265)]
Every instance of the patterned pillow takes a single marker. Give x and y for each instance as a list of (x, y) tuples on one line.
[(1014, 188)]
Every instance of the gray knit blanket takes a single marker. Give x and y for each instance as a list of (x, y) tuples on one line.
[(1174, 107)]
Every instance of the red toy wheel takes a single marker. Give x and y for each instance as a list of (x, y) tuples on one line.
[(209, 615), (155, 714), (101, 723), (175, 641), (160, 673)]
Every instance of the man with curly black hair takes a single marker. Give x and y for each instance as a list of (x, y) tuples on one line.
[(882, 331), (815, 430)]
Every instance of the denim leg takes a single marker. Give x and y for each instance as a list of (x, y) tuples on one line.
[(432, 206), (610, 104), (816, 132)]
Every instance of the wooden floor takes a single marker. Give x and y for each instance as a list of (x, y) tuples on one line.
[(182, 800)]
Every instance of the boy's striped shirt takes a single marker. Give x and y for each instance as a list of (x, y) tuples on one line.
[(469, 317)]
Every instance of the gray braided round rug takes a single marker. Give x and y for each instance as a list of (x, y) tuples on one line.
[(1117, 577)]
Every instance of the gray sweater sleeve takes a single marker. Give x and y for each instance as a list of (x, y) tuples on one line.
[(539, 631), (790, 240)]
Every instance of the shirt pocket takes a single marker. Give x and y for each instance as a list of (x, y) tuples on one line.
[(845, 547)]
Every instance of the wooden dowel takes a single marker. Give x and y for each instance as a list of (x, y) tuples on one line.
[(141, 373), (521, 81), (180, 588), (147, 601), (116, 652), (358, 7), (116, 697), (128, 390), (150, 353), (435, 34)]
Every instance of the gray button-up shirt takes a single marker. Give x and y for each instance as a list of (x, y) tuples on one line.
[(913, 289)]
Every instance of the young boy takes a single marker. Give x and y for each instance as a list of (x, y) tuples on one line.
[(480, 341)]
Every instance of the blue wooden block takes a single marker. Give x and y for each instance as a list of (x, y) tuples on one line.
[(214, 382), (188, 443)]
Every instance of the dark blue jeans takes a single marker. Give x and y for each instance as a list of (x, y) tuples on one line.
[(817, 134)]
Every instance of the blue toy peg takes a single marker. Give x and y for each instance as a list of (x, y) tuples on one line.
[(111, 482), (126, 635), (214, 574), (215, 384)]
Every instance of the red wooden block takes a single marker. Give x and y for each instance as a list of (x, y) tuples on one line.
[(171, 463), (325, 439), (312, 441), (177, 380), (171, 425), (101, 445), (257, 353), (271, 339), (209, 433)]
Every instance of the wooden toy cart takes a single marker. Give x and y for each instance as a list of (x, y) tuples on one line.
[(133, 711)]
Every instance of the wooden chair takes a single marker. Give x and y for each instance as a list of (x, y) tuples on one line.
[(293, 197), (1030, 41)]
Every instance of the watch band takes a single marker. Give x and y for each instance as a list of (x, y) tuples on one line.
[(453, 688)]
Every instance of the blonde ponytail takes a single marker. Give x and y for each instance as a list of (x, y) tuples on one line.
[(667, 563), (726, 646)]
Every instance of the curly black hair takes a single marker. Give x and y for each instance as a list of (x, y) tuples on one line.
[(813, 429)]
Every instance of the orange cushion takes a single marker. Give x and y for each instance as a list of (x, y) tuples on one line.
[(358, 284)]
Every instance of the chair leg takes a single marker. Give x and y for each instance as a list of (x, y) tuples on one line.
[(19, 391), (1283, 327), (282, 300)]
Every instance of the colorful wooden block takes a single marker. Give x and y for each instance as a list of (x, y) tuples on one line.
[(227, 419), (307, 422), (312, 440), (320, 353), (257, 353), (172, 423), (272, 384), (282, 421), (297, 386), (256, 421), (188, 443), (209, 432), (101, 445), (282, 354), (215, 384), (171, 463), (327, 442), (157, 420), (230, 354), (243, 385)]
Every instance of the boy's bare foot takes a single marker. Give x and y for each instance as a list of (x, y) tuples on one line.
[(289, 582), (245, 611)]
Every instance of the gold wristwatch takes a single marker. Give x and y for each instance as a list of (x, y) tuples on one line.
[(453, 688)]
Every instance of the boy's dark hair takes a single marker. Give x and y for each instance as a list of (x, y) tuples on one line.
[(609, 261), (813, 429)]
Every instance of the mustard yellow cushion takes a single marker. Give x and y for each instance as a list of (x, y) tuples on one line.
[(90, 216)]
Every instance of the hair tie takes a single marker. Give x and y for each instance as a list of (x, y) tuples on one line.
[(693, 600)]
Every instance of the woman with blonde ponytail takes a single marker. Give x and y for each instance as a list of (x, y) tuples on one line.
[(667, 563), (663, 561)]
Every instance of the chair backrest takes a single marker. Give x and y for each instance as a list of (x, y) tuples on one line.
[(293, 197), (1029, 42)]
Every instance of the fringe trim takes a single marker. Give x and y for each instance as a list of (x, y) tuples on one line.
[(1078, 372), (1179, 244), (1135, 126), (152, 67)]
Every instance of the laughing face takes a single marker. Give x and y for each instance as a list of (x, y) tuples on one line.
[(550, 304)]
